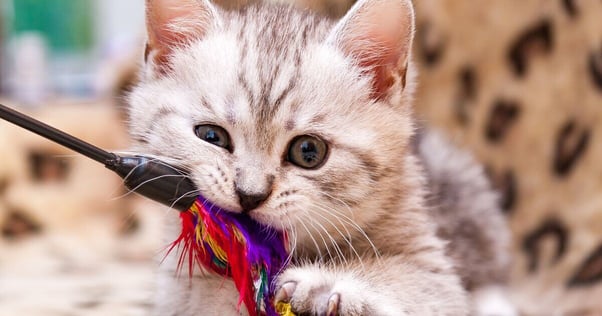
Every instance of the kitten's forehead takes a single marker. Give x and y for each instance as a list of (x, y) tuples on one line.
[(273, 45), (268, 74)]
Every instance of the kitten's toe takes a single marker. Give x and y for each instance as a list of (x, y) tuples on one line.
[(333, 305), (314, 291), (285, 292), (307, 293)]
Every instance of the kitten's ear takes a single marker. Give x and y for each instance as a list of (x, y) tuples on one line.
[(174, 23), (378, 35)]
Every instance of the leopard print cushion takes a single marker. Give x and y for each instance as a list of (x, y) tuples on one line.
[(519, 83)]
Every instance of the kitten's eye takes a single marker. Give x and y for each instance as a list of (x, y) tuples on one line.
[(213, 134), (307, 152)]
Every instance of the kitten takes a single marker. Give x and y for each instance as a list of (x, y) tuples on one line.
[(306, 125)]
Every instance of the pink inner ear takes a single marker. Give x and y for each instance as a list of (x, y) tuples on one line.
[(381, 59), (164, 15), (172, 23), (379, 37)]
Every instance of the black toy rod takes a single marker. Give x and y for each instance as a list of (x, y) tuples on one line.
[(57, 136)]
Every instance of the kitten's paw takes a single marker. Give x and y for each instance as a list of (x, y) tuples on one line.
[(317, 292), (305, 304), (492, 301)]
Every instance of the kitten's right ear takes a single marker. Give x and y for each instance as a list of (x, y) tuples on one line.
[(174, 23)]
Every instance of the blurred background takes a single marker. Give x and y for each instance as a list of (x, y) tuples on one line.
[(518, 83), (66, 48), (72, 242)]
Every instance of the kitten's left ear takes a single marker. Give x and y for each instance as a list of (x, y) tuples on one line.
[(378, 34), (174, 23)]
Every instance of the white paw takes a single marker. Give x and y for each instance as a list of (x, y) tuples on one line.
[(492, 301), (314, 291)]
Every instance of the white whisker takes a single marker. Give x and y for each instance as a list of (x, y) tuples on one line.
[(312, 222), (353, 223), (336, 246), (299, 220), (348, 238)]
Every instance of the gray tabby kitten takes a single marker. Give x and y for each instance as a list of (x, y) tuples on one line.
[(305, 124)]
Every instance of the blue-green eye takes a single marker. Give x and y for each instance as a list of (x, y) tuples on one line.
[(307, 152), (214, 135)]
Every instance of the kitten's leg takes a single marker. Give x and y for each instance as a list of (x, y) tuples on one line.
[(389, 287)]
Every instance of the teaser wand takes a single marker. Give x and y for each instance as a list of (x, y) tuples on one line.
[(147, 176)]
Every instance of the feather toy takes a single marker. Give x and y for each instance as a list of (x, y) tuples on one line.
[(236, 246), (230, 244)]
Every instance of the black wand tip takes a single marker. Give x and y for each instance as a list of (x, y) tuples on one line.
[(156, 180)]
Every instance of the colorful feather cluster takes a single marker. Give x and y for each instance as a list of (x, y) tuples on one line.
[(236, 246)]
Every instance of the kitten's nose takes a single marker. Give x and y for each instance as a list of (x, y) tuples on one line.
[(249, 202)]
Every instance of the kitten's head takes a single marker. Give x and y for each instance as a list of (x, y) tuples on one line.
[(296, 120)]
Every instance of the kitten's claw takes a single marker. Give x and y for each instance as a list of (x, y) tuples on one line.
[(333, 304), (285, 292)]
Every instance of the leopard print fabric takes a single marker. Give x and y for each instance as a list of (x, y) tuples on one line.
[(519, 83)]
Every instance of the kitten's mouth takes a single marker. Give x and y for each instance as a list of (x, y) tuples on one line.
[(261, 212), (260, 218), (256, 214)]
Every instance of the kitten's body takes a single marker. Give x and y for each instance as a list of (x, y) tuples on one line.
[(369, 233)]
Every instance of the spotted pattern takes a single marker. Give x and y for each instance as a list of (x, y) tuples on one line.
[(17, 225), (590, 270), (520, 84), (504, 114), (571, 143), (551, 228), (537, 40)]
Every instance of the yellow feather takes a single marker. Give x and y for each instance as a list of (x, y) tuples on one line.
[(284, 309)]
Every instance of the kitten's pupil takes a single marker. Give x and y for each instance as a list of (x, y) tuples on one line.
[(307, 152), (214, 135)]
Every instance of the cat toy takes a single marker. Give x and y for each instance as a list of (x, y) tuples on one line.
[(213, 238), (230, 244)]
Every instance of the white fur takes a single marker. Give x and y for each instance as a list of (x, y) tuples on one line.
[(492, 301)]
